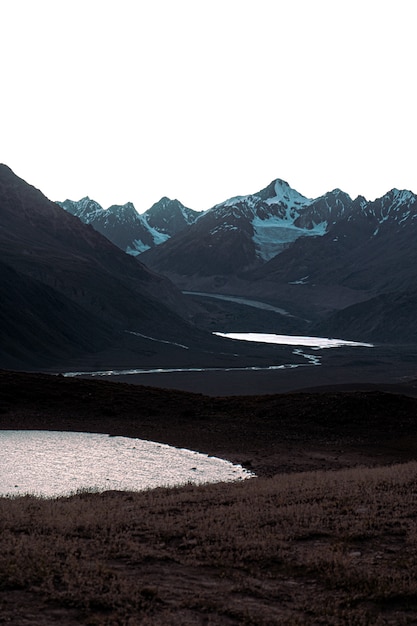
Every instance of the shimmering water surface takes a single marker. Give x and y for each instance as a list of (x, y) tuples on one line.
[(294, 340), (50, 463)]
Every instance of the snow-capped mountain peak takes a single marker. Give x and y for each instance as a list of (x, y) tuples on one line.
[(280, 192), (170, 216), (244, 232), (86, 209), (129, 230), (278, 215), (398, 198), (122, 212)]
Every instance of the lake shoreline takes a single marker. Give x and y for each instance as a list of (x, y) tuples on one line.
[(269, 434), (318, 537)]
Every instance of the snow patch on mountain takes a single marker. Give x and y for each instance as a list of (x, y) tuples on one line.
[(222, 227), (157, 236), (273, 235), (125, 227), (188, 214), (277, 216), (137, 247), (395, 207), (236, 204), (399, 197), (398, 205), (86, 210), (300, 281)]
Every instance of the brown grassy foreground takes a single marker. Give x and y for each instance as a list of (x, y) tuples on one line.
[(311, 548), (337, 545)]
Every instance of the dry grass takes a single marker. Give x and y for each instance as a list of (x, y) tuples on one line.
[(312, 548), (323, 547)]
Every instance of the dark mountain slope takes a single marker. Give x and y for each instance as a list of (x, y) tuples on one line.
[(206, 248), (41, 240), (69, 280), (39, 326), (387, 318)]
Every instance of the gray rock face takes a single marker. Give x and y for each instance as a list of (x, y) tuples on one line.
[(126, 228)]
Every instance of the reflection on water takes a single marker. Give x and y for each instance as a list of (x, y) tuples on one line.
[(293, 340), (49, 463)]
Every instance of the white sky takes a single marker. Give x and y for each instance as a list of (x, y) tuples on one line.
[(201, 100)]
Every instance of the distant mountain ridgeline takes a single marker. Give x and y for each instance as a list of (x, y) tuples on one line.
[(273, 218), (315, 257), (126, 228)]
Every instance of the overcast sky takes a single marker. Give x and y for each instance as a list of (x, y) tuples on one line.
[(201, 100)]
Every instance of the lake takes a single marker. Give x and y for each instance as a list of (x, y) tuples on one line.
[(52, 463), (317, 343)]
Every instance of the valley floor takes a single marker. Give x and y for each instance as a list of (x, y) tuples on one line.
[(323, 536), (388, 367)]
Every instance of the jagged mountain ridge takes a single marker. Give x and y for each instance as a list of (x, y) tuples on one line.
[(366, 248), (247, 231), (262, 224), (278, 230), (388, 317), (315, 257), (126, 228), (360, 276), (244, 232)]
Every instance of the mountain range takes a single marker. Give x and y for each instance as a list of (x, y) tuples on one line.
[(274, 261), (342, 266), (126, 228), (70, 298)]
